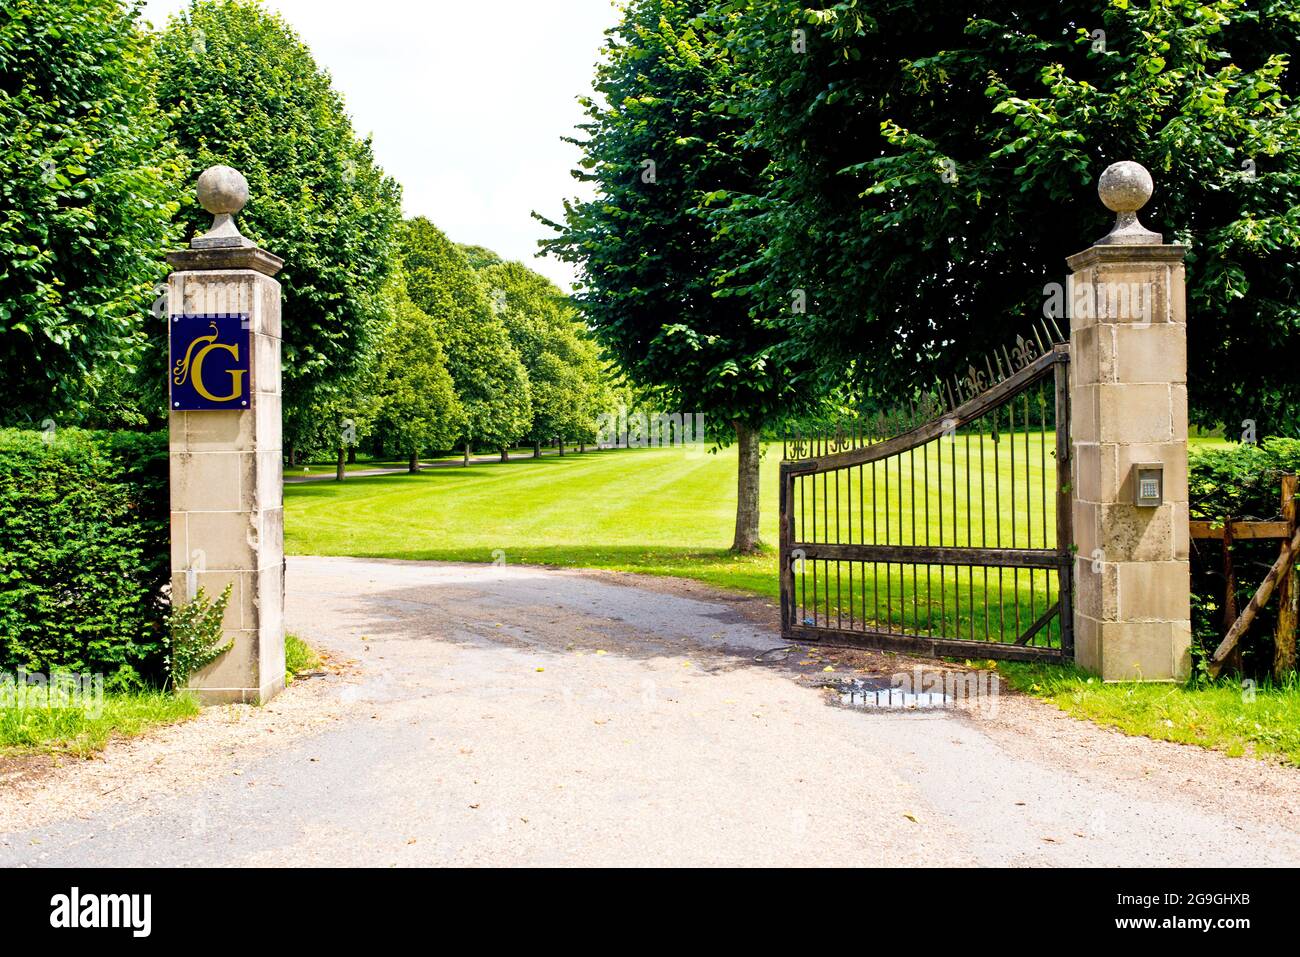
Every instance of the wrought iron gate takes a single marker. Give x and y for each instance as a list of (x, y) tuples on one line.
[(952, 538)]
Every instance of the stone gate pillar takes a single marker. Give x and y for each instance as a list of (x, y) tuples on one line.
[(227, 515), (1128, 396)]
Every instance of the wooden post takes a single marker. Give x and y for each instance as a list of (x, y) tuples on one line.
[(1287, 593), (1230, 591)]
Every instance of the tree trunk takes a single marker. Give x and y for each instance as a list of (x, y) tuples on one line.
[(293, 456), (746, 541), (340, 472), (537, 449), (413, 465), (582, 446), (505, 455), (466, 455), (560, 443), (352, 455)]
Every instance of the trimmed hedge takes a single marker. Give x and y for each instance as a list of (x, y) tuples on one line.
[(1240, 483), (1244, 482), (84, 553)]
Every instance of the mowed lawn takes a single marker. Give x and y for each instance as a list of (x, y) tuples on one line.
[(658, 511)]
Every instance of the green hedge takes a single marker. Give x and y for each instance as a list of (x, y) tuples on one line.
[(1241, 483), (84, 553)]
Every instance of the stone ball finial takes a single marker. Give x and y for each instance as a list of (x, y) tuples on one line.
[(222, 190), (1124, 188)]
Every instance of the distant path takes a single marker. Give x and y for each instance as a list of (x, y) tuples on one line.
[(456, 464), (514, 715)]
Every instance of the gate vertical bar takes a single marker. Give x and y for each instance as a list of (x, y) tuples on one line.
[(1064, 508), (785, 540)]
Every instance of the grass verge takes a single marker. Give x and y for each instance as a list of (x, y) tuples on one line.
[(78, 732), (1262, 721)]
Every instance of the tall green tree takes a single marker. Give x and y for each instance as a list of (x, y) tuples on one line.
[(338, 418), (490, 380), (243, 90), (663, 145), (418, 409), (87, 187), (565, 369), (931, 173)]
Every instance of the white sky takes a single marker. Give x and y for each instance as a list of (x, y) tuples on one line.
[(466, 107)]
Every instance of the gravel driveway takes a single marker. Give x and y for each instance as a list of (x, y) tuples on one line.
[(505, 715)]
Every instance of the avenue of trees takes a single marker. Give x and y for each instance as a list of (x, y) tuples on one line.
[(814, 202), (395, 338)]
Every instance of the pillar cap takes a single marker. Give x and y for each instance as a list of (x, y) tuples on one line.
[(222, 189), (1127, 253), (227, 258)]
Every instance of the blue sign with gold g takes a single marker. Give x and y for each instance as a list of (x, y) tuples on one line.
[(209, 368)]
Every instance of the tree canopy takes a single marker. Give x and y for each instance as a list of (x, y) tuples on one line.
[(418, 408), (930, 173), (490, 379), (663, 144), (565, 368), (89, 182)]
